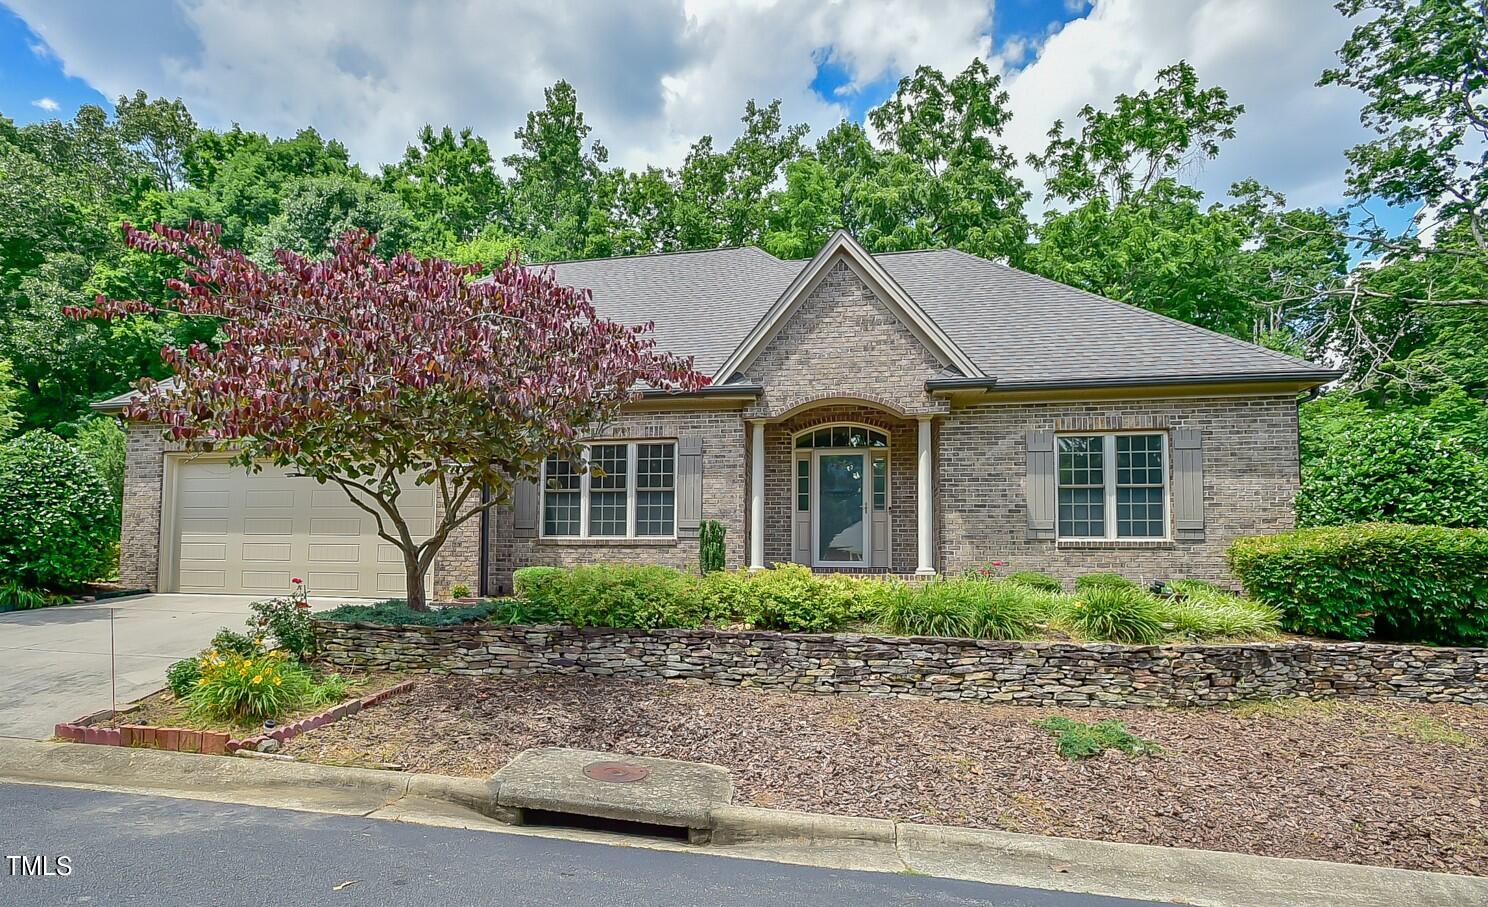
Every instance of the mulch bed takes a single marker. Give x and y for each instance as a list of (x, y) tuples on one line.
[(1390, 784)]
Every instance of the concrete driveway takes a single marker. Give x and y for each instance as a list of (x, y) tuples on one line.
[(56, 660)]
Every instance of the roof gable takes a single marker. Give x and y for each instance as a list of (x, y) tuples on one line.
[(842, 247)]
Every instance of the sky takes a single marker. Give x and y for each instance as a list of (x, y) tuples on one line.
[(654, 75)]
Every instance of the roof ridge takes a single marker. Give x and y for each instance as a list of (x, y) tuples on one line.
[(571, 261), (1178, 322)]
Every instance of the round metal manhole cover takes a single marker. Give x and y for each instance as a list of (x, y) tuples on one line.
[(616, 772)]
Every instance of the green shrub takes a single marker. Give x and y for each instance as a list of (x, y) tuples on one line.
[(938, 607), (1010, 610), (790, 597), (240, 644), (972, 608), (58, 525), (629, 595), (289, 620), (535, 585), (710, 547), (1218, 615), (1193, 588), (1103, 581), (1035, 580), (518, 611), (1393, 581), (102, 442), (395, 612), (181, 677), (1398, 468), (245, 690), (459, 590), (1081, 740), (329, 690), (1115, 614), (16, 597)]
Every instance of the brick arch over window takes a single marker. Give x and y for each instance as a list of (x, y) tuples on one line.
[(798, 411)]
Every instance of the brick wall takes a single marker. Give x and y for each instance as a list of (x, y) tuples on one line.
[(1250, 479), (1063, 674), (724, 499)]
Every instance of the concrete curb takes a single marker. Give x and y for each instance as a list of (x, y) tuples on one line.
[(1196, 877)]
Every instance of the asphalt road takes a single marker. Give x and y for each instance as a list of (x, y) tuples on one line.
[(126, 849)]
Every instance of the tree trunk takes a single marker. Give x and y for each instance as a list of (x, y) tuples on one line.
[(414, 584)]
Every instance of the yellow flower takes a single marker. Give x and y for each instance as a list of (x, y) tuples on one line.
[(201, 682), (257, 678), (278, 681)]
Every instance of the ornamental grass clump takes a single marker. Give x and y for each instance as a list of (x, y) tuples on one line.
[(1035, 580), (1115, 614), (247, 689), (1009, 610), (938, 607), (1083, 740), (1218, 615)]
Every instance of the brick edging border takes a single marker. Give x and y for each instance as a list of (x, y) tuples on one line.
[(212, 743)]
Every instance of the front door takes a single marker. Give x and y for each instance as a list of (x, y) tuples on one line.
[(842, 526)]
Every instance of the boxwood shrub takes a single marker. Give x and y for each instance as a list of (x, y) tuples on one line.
[(58, 525), (1386, 580)]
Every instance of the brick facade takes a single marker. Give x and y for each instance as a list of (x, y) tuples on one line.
[(1251, 474), (842, 341), (724, 499)]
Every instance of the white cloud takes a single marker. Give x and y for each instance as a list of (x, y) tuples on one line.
[(46, 104), (1266, 53), (653, 75)]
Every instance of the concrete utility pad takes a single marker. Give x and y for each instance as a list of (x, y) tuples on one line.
[(672, 793)]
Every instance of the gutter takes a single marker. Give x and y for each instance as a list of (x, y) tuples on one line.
[(712, 390), (1319, 376)]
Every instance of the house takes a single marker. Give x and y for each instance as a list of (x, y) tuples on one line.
[(910, 413)]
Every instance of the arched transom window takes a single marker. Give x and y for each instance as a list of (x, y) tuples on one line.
[(841, 436)]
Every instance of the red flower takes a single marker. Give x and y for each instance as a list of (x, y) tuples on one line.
[(297, 581)]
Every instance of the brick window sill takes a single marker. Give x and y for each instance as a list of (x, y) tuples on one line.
[(607, 543), (1115, 544)]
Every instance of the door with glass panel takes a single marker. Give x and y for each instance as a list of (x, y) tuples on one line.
[(842, 525)]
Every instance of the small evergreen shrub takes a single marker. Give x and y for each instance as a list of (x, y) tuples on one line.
[(181, 677), (395, 612), (1035, 580), (1115, 614), (1387, 580), (58, 525), (790, 597), (1082, 740), (710, 547), (1103, 581)]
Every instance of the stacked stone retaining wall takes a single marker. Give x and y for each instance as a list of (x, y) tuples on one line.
[(1032, 673)]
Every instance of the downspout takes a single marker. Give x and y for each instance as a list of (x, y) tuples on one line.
[(485, 542)]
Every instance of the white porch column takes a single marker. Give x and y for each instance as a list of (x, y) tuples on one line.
[(924, 503), (757, 495)]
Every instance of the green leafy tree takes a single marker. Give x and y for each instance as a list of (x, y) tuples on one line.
[(557, 172), (723, 196), (314, 213), (9, 418), (449, 183), (160, 131)]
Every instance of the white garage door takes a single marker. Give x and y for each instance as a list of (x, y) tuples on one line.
[(253, 533)]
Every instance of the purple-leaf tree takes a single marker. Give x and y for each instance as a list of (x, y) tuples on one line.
[(379, 375)]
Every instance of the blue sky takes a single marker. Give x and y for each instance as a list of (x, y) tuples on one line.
[(27, 77)]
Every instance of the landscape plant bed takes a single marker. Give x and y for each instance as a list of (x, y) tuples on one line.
[(1373, 782), (160, 721)]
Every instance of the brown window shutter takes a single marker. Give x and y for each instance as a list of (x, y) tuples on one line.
[(689, 485), (1040, 486), (1188, 484), (526, 509)]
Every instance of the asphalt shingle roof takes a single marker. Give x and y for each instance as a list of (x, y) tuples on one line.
[(1018, 327)]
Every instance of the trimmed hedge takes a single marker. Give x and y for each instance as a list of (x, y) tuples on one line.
[(1373, 580), (58, 525)]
